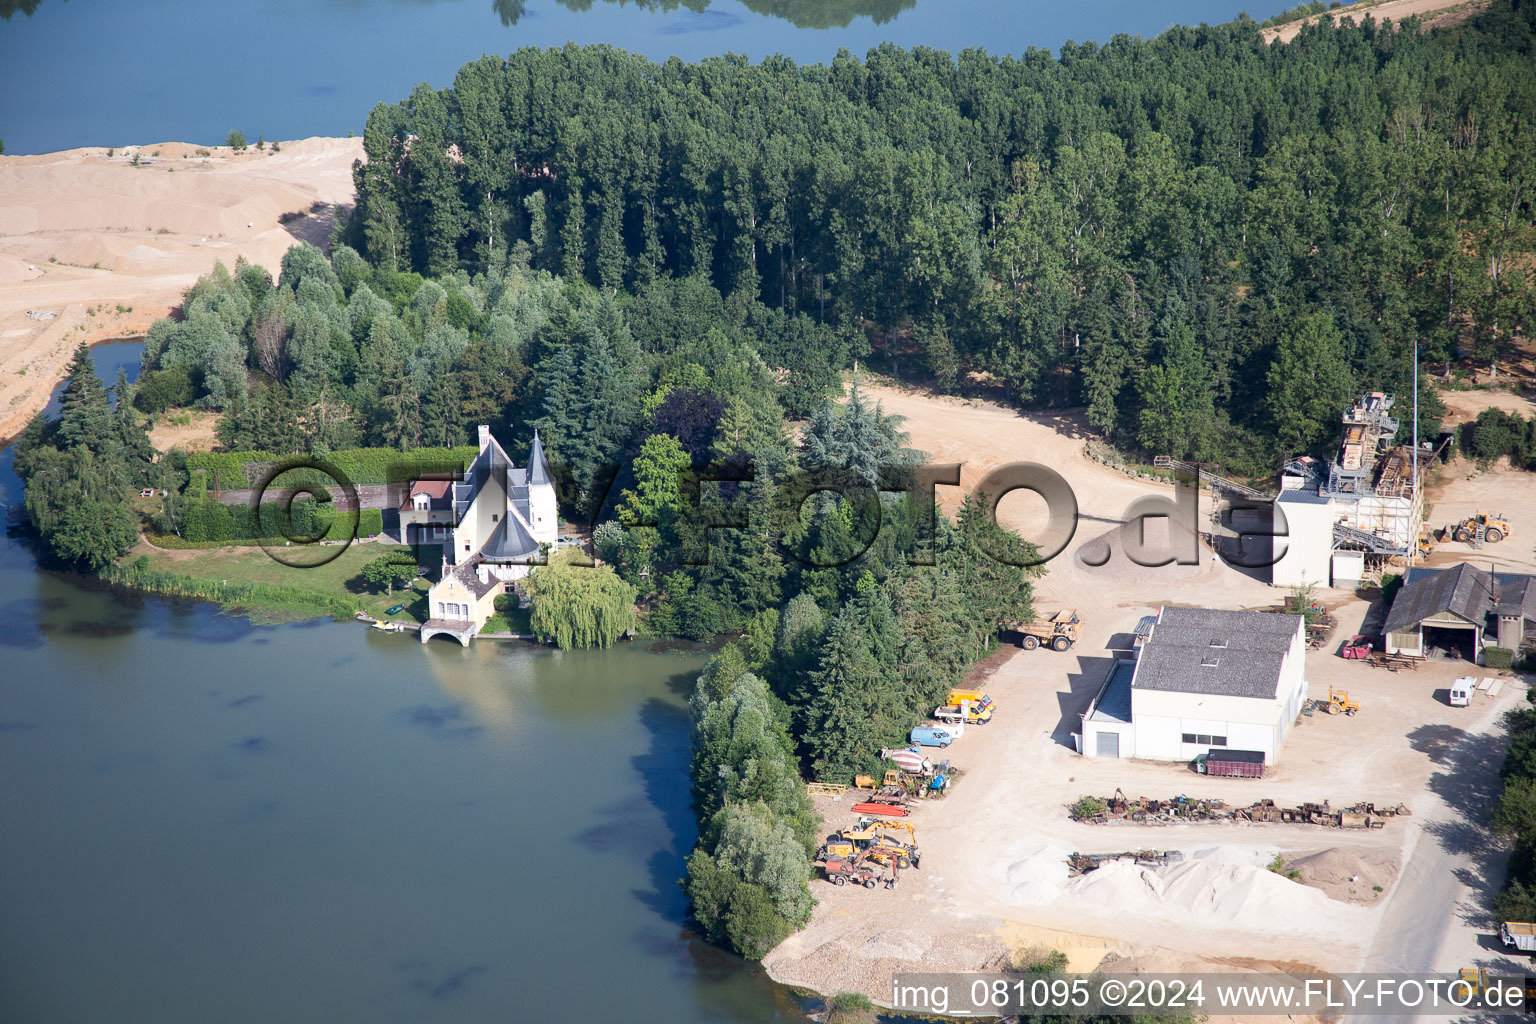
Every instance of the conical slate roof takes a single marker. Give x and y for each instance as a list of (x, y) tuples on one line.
[(538, 468), (511, 543)]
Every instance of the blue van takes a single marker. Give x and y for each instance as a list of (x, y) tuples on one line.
[(932, 736)]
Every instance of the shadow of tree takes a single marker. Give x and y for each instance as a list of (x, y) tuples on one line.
[(1466, 779)]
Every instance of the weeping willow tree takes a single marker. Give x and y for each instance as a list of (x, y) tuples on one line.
[(580, 607)]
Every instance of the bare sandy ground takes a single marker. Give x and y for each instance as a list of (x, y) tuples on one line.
[(1434, 13), (107, 246), (977, 894)]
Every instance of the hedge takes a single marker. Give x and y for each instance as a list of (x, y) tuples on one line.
[(239, 595), (1498, 657), (357, 465), (207, 520), (208, 523)]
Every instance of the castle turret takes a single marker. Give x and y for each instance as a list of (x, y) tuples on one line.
[(541, 496)]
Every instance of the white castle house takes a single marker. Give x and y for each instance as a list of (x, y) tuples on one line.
[(495, 525)]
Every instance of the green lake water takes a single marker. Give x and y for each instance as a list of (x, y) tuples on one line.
[(203, 821)]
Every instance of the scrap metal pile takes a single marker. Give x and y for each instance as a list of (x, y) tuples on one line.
[(1142, 811)]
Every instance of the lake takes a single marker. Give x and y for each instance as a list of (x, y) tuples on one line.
[(206, 820), (104, 73)]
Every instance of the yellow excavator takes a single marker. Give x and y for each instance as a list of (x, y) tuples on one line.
[(874, 838)]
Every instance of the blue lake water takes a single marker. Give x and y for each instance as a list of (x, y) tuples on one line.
[(105, 73)]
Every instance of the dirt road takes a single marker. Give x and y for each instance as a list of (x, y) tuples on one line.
[(98, 247), (993, 850), (1434, 13)]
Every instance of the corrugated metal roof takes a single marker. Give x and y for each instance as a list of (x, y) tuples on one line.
[(1464, 590), (1297, 496)]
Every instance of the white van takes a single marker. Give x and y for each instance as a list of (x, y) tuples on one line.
[(1461, 691)]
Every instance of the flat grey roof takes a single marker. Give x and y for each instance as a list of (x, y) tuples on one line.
[(1299, 496), (1113, 704), (1217, 652)]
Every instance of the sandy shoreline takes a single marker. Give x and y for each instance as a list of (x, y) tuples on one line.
[(1435, 13), (107, 245)]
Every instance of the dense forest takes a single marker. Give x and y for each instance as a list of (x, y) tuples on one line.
[(855, 608), (1150, 228)]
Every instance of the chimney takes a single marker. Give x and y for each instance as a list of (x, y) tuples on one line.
[(485, 437)]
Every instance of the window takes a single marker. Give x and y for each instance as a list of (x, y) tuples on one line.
[(1210, 661), (494, 517), (1204, 740), (1219, 643)]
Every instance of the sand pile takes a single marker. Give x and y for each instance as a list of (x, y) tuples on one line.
[(1348, 874), (1039, 876), (1212, 885)]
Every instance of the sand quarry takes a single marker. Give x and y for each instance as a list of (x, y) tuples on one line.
[(85, 236), (1434, 13), (994, 875)]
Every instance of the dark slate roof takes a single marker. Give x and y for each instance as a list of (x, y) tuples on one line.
[(1300, 496), (1113, 704), (492, 461), (1212, 651), (1464, 590), (538, 468), (511, 542), (1517, 595)]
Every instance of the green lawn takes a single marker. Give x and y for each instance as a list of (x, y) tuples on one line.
[(339, 577)]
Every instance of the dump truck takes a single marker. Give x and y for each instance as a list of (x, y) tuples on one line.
[(1489, 526), (1519, 935), (1059, 633)]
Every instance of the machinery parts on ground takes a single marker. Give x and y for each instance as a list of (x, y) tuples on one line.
[(1142, 811), (1082, 863), (1059, 634)]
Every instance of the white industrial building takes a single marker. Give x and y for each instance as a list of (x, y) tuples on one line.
[(1331, 520), (1202, 678)]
